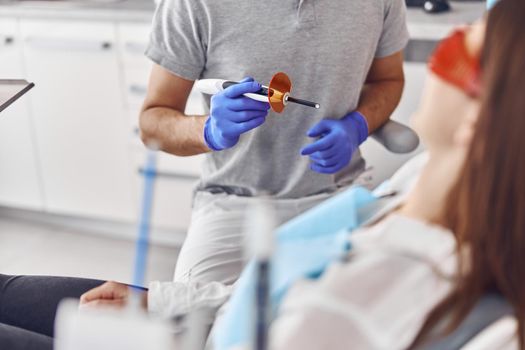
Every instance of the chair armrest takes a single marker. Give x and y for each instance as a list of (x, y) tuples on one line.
[(396, 137)]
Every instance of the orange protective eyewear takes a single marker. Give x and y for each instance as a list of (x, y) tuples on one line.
[(453, 63)]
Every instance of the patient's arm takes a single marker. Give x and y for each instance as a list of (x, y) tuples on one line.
[(164, 299), (110, 294)]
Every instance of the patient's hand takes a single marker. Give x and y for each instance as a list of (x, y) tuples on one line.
[(109, 295)]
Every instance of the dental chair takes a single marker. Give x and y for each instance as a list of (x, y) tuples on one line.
[(489, 310), (399, 140), (396, 137)]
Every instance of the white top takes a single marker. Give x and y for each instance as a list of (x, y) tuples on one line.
[(397, 272)]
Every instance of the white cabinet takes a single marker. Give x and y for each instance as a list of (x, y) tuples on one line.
[(80, 128), (79, 153), (174, 185), (173, 196), (136, 67), (19, 173)]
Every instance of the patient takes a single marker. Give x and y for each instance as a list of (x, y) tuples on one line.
[(459, 234), (402, 271)]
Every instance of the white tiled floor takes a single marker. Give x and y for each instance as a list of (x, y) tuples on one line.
[(29, 248)]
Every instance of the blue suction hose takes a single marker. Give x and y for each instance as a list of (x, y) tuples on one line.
[(491, 3), (149, 174)]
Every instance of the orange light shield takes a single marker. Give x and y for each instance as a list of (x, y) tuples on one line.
[(452, 62), (278, 91)]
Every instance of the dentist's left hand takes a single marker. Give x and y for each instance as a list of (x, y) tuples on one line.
[(109, 295), (337, 140)]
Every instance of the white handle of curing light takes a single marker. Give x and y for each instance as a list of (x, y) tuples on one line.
[(214, 86)]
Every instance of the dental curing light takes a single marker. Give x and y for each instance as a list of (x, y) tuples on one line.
[(277, 94)]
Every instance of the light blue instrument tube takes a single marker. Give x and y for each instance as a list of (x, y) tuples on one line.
[(142, 244), (491, 3)]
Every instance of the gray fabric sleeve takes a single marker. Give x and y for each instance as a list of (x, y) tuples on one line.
[(394, 36), (178, 38)]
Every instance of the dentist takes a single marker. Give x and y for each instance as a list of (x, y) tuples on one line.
[(346, 55)]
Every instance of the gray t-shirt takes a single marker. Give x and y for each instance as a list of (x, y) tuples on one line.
[(325, 46)]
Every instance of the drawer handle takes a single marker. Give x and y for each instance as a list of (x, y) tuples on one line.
[(139, 90), (135, 48), (106, 45), (68, 44), (171, 175), (9, 40)]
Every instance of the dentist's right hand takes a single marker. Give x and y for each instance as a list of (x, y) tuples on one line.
[(232, 114)]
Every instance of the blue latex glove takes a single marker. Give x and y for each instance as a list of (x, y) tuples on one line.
[(305, 246), (338, 140), (232, 114)]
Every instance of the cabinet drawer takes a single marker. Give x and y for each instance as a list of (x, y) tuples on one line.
[(19, 174), (173, 193), (8, 33), (172, 203), (70, 29), (10, 50), (133, 42), (81, 134), (136, 86), (172, 166), (190, 166)]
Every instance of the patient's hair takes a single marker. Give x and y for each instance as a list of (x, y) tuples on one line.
[(486, 208)]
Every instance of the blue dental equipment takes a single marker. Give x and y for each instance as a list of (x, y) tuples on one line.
[(142, 244)]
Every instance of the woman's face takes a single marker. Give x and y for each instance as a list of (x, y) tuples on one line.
[(444, 107)]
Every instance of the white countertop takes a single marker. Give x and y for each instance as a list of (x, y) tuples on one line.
[(96, 10), (435, 26), (421, 25)]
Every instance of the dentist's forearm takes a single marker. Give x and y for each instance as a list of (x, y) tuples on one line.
[(173, 131), (379, 100)]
